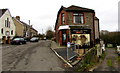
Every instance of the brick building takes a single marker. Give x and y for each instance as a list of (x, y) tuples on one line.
[(76, 25)]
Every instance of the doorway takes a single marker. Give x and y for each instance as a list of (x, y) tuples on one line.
[(64, 37)]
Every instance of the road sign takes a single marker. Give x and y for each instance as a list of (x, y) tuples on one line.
[(68, 44)]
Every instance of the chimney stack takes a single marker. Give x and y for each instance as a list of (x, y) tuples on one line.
[(18, 18)]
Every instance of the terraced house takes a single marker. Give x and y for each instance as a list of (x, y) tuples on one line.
[(7, 27), (19, 26), (76, 25), (23, 29)]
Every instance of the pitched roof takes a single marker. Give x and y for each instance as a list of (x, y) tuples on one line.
[(2, 11), (28, 25), (34, 29), (96, 18), (77, 8)]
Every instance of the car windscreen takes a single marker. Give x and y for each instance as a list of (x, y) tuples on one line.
[(33, 38), (17, 39)]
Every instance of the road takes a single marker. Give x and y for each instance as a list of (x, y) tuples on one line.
[(110, 62), (0, 58), (31, 57)]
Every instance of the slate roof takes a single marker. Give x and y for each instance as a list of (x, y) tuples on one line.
[(2, 11), (96, 18), (28, 26), (77, 8)]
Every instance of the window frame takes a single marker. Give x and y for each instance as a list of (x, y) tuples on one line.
[(63, 18), (78, 15)]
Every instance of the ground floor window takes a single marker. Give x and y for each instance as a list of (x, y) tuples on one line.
[(11, 32), (2, 31), (81, 39)]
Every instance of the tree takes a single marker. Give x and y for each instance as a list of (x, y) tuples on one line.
[(112, 38), (41, 36), (49, 34)]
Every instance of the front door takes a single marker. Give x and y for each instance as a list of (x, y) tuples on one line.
[(64, 37)]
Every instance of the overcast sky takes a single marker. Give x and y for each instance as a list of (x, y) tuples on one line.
[(43, 13)]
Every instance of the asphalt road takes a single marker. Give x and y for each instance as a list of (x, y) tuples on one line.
[(31, 57), (0, 57)]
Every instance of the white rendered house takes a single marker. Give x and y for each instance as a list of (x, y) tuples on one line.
[(7, 26)]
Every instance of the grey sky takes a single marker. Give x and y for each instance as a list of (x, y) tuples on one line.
[(43, 13)]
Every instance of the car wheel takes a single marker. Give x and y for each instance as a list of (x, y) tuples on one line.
[(20, 43)]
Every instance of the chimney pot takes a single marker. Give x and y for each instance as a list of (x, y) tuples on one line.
[(18, 18)]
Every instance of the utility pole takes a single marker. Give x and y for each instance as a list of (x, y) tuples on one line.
[(29, 29), (42, 31), (29, 22)]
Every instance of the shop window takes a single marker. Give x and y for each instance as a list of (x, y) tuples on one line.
[(78, 18)]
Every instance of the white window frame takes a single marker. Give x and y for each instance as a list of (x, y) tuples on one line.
[(79, 15), (63, 18)]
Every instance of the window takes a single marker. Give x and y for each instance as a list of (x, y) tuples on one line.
[(63, 18), (64, 37), (9, 24), (5, 23), (12, 32), (2, 31), (78, 18)]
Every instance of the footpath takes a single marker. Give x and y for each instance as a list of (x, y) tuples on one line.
[(61, 52), (110, 62)]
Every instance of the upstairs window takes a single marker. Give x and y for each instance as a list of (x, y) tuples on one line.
[(63, 18), (7, 23), (78, 18)]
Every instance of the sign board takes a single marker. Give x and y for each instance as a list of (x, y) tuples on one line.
[(68, 44)]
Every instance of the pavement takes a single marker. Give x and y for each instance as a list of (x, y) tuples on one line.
[(61, 52)]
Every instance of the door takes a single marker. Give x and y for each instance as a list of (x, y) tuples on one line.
[(4, 39), (64, 37)]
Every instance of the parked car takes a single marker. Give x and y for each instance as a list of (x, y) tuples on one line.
[(27, 39), (18, 41), (34, 39), (118, 50)]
